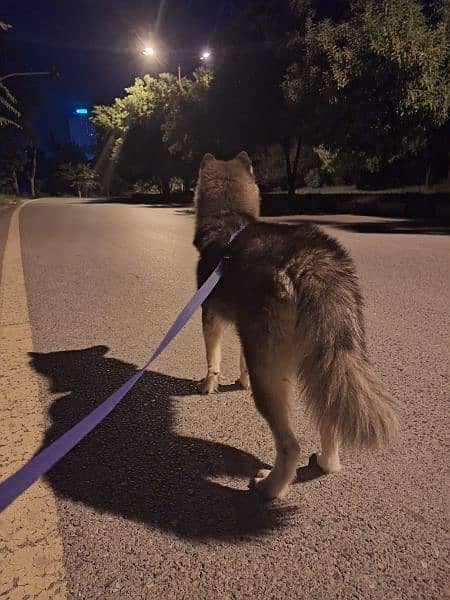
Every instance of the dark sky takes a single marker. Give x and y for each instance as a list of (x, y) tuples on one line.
[(95, 45)]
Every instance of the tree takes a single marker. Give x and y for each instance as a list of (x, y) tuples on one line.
[(154, 130), (50, 164), (354, 87), (8, 103), (247, 106), (21, 114), (240, 105), (186, 123), (381, 75), (13, 160), (80, 177)]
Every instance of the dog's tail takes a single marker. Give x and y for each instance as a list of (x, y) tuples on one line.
[(346, 398)]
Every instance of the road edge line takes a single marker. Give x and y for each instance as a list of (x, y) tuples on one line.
[(31, 547)]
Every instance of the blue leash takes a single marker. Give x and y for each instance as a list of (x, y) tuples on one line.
[(21, 480)]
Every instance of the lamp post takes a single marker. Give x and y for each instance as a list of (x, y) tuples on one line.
[(53, 73), (151, 52)]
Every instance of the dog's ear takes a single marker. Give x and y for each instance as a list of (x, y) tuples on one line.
[(207, 159), (245, 159)]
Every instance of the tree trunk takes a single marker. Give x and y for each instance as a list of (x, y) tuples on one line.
[(287, 158), (296, 161), (186, 184), (33, 173), (15, 183), (165, 187), (428, 176), (291, 173)]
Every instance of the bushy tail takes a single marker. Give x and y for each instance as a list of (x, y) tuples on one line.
[(345, 397)]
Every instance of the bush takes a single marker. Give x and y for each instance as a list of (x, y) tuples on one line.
[(176, 185), (313, 178), (270, 168), (6, 199), (145, 187), (6, 184)]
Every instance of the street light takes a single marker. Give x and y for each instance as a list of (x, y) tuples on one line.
[(149, 51), (53, 74), (205, 55)]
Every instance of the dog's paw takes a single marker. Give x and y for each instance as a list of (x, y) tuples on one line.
[(328, 464), (243, 382), (209, 385), (266, 487), (262, 474)]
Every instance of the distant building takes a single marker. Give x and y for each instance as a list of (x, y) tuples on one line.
[(81, 131)]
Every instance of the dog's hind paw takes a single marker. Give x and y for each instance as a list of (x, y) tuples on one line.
[(328, 464), (209, 385)]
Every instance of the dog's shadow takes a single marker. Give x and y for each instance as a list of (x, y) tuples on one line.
[(134, 465)]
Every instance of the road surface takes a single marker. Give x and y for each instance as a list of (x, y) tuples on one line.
[(154, 503)]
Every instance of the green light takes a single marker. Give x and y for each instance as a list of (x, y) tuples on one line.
[(81, 111)]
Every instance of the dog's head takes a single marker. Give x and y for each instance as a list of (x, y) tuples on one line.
[(226, 186)]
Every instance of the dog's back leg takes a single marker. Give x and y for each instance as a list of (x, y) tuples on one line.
[(328, 458), (273, 388), (244, 379)]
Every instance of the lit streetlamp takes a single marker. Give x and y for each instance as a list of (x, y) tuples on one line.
[(149, 51)]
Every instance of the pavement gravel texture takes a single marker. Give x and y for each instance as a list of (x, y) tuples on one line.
[(30, 545), (154, 503)]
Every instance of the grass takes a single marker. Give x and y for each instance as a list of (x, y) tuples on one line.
[(7, 199)]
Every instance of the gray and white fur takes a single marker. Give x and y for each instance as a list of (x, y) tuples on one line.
[(293, 295)]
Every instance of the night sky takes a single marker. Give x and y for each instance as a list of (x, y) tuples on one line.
[(96, 44)]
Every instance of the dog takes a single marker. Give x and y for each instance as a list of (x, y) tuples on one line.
[(293, 294)]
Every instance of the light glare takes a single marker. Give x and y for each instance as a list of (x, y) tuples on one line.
[(149, 51)]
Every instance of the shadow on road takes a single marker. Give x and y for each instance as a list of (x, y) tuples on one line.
[(416, 226), (134, 464), (147, 200), (425, 226)]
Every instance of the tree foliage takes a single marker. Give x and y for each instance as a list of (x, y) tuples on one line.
[(154, 127), (9, 112), (81, 178), (339, 89), (13, 160), (382, 76)]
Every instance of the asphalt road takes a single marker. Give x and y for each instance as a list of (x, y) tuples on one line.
[(154, 503)]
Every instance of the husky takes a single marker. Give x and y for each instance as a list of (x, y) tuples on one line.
[(293, 294)]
